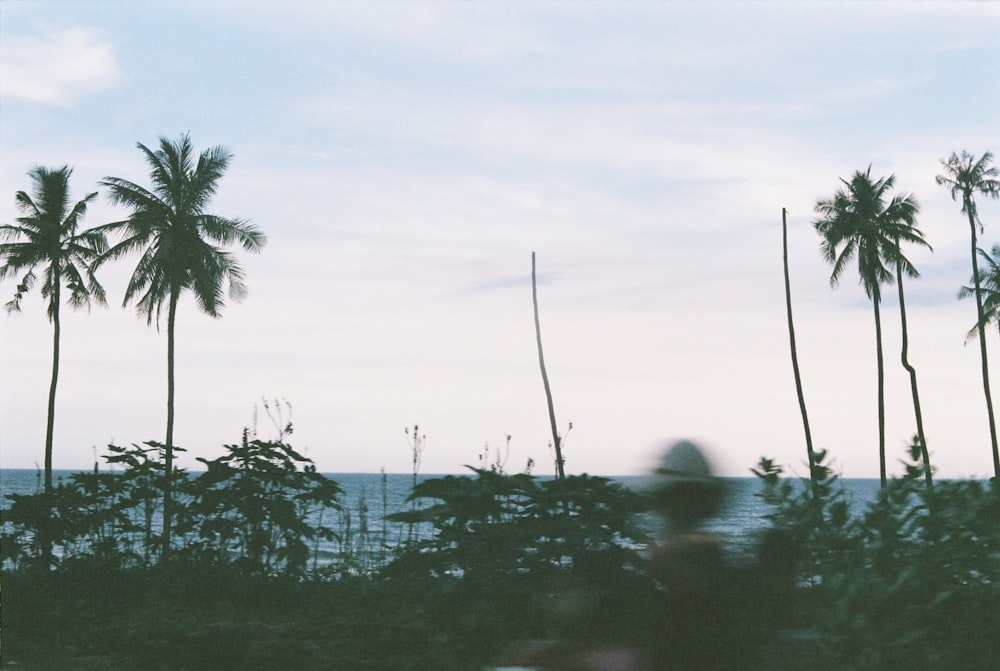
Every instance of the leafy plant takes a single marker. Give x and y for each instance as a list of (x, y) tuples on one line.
[(910, 581), (259, 507), (142, 482), (497, 526), (254, 503)]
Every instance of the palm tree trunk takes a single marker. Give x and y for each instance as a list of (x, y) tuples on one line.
[(560, 472), (913, 379), (51, 419), (982, 347), (168, 458), (813, 474), (45, 539), (881, 393)]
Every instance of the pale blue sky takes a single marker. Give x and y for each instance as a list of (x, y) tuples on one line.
[(404, 160)]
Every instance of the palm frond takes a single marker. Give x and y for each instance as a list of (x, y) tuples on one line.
[(26, 284), (18, 256), (26, 204), (228, 231), (124, 192), (989, 290), (8, 232)]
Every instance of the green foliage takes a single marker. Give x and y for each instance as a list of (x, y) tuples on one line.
[(237, 593), (90, 516), (142, 482), (254, 504), (498, 526), (911, 581), (256, 508)]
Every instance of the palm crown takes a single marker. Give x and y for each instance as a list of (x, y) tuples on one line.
[(169, 224), (49, 234), (964, 176), (858, 223)]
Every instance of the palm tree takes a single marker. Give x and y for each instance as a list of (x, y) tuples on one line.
[(810, 453), (174, 235), (858, 223), (965, 176), (49, 235), (902, 269)]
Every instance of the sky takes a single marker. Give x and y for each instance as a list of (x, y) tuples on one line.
[(405, 160)]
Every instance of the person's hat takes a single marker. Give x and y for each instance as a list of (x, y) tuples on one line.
[(684, 462)]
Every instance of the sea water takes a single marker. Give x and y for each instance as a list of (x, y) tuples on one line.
[(368, 499)]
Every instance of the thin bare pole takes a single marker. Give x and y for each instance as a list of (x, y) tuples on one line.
[(560, 473)]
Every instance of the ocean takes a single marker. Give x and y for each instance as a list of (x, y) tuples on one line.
[(362, 526)]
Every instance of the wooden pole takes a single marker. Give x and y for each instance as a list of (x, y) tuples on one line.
[(560, 472)]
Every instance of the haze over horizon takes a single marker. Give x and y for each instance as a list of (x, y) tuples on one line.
[(405, 159)]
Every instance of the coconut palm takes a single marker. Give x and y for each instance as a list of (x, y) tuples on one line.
[(48, 235), (810, 453), (989, 287), (177, 245), (904, 357), (965, 176), (858, 224)]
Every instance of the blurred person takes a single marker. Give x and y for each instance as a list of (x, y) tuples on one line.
[(696, 611)]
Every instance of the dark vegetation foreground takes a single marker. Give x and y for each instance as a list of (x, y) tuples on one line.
[(214, 620), (910, 582)]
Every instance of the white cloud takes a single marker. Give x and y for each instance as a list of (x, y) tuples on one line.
[(56, 67)]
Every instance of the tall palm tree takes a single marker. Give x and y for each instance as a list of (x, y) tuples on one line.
[(49, 235), (858, 223), (901, 269), (965, 176), (810, 453), (174, 236)]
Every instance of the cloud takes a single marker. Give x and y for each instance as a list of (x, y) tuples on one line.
[(56, 67)]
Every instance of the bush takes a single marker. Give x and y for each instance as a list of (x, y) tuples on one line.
[(910, 582), (253, 506), (258, 508), (500, 527)]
